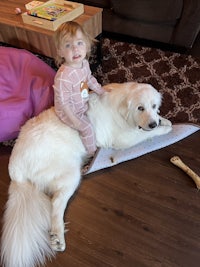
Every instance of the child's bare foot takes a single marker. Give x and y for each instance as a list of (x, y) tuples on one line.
[(88, 161)]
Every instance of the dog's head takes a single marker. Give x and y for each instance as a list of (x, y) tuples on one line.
[(140, 107)]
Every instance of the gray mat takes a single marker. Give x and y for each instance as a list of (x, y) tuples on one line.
[(105, 158)]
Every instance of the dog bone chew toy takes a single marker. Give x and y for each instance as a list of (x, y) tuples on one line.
[(179, 163)]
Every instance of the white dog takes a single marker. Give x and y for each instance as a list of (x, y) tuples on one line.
[(45, 167)]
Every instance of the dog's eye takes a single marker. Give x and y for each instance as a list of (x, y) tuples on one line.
[(154, 106), (141, 108)]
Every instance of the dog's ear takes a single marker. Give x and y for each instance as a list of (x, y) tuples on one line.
[(125, 107)]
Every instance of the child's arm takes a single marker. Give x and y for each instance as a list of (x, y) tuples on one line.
[(92, 81), (95, 86)]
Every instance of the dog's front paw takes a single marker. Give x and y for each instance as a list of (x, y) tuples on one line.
[(165, 122), (57, 243), (167, 129), (161, 129)]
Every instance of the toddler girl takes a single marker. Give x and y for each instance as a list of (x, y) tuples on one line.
[(73, 81)]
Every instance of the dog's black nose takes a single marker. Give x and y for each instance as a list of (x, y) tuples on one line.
[(152, 125)]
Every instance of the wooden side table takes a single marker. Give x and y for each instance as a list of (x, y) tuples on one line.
[(35, 39)]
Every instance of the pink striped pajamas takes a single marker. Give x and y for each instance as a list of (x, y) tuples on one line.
[(71, 100)]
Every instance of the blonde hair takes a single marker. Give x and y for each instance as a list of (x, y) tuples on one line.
[(66, 31)]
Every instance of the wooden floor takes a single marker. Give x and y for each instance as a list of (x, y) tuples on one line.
[(141, 213)]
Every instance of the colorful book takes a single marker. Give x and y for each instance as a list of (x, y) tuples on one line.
[(50, 11)]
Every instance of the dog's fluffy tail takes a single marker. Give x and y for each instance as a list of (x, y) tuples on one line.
[(25, 237)]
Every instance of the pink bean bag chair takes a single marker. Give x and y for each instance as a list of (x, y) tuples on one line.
[(25, 89)]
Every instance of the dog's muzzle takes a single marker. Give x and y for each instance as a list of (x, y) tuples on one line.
[(151, 126)]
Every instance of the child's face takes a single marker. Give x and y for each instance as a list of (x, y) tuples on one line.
[(74, 50)]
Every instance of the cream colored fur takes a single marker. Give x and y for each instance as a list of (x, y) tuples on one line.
[(45, 167)]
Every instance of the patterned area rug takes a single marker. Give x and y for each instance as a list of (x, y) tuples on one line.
[(175, 75)]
